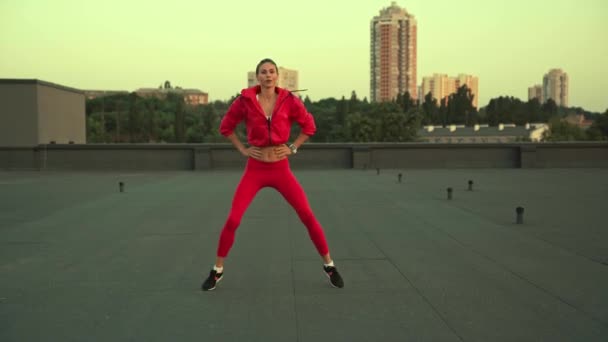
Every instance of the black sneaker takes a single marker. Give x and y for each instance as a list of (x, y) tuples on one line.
[(212, 280), (334, 277)]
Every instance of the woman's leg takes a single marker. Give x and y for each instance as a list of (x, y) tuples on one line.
[(249, 185), (292, 191)]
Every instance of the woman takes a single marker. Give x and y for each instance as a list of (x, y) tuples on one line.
[(268, 112)]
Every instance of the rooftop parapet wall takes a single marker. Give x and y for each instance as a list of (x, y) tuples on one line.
[(183, 157)]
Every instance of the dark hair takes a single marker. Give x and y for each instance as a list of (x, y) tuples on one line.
[(266, 60)]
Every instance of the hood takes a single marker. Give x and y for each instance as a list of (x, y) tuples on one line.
[(251, 92)]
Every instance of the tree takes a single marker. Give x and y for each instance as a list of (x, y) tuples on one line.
[(341, 111), (94, 129), (324, 112), (360, 128), (533, 110), (324, 122), (151, 118), (599, 128), (179, 124), (307, 101), (460, 106), (430, 110), (560, 130), (353, 103), (398, 126), (549, 109), (209, 123), (405, 101), (443, 112), (135, 122), (128, 117), (501, 109), (379, 108), (121, 103)]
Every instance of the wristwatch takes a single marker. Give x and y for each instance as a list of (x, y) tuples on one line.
[(293, 148)]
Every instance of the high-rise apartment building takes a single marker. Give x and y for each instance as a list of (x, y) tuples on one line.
[(472, 83), (439, 85), (442, 86), (288, 79), (393, 54), (555, 86), (535, 92), (251, 79)]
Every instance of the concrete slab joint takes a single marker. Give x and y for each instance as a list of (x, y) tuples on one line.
[(527, 156), (202, 158), (361, 156)]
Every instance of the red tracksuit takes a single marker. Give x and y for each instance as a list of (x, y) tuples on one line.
[(262, 132)]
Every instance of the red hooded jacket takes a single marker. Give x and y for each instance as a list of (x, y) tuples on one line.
[(262, 132)]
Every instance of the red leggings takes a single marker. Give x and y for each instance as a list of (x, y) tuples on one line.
[(277, 175)]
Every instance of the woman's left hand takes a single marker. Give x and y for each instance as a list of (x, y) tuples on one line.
[(282, 151)]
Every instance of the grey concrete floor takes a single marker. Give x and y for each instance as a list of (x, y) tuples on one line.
[(80, 261)]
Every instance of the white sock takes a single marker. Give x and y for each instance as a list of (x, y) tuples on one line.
[(218, 269), (331, 264)]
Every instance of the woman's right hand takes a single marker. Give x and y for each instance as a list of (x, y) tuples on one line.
[(253, 152)]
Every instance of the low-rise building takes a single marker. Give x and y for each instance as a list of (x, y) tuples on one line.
[(503, 133), (35, 112)]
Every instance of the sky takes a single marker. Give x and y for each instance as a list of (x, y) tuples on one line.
[(211, 45)]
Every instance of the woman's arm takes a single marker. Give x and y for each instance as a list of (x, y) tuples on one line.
[(247, 152), (301, 139), (283, 150)]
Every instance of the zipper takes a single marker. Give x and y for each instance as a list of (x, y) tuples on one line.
[(276, 109), (269, 131), (268, 120)]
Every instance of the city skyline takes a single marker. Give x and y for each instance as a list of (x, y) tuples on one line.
[(210, 46)]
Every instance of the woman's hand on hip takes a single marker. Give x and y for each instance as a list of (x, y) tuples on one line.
[(282, 151), (253, 152)]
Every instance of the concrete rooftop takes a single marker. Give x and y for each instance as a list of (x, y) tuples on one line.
[(80, 261)]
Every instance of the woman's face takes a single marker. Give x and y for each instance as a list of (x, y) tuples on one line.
[(267, 75)]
